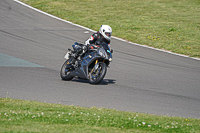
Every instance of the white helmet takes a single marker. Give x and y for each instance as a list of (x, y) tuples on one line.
[(106, 31)]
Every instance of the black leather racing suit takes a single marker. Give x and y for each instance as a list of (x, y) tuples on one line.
[(96, 37)]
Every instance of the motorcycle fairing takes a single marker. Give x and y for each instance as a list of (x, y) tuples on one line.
[(88, 60)]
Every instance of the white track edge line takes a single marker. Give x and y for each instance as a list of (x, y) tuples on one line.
[(95, 31)]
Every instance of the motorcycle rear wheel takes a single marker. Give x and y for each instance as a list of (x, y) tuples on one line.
[(65, 72), (98, 75)]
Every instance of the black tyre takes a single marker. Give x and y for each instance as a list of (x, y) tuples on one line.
[(97, 76), (65, 72)]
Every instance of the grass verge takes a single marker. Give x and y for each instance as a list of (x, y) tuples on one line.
[(164, 24), (31, 116)]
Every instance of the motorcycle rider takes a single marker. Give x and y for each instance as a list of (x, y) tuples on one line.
[(103, 35)]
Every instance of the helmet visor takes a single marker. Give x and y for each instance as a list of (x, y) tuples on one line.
[(108, 34)]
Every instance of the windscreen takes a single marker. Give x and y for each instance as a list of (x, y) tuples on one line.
[(107, 49)]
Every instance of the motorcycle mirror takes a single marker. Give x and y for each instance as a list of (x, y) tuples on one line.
[(111, 50)]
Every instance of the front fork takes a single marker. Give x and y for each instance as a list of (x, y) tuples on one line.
[(96, 65)]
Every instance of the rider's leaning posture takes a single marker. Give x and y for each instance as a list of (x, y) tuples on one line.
[(103, 35)]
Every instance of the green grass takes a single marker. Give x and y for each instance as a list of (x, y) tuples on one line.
[(31, 116), (173, 25)]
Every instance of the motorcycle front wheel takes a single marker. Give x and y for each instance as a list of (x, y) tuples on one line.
[(65, 72), (97, 75)]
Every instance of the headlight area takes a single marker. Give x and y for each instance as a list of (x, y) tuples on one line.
[(103, 53)]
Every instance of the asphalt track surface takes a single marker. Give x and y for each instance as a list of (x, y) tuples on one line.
[(32, 47)]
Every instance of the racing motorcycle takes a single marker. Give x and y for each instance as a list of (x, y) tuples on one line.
[(92, 65)]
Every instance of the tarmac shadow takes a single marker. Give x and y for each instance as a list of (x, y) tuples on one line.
[(103, 82)]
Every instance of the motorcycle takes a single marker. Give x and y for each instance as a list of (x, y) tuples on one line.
[(92, 65)]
